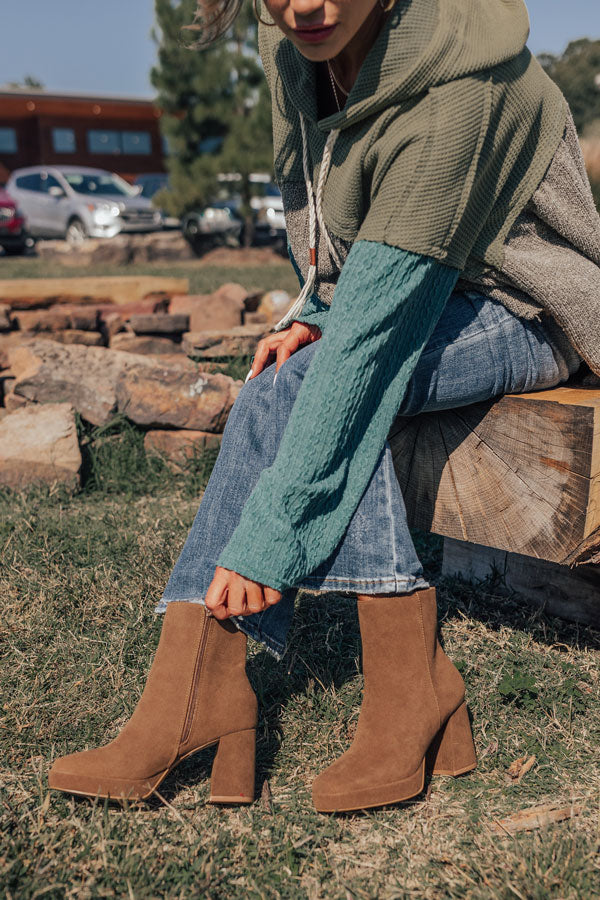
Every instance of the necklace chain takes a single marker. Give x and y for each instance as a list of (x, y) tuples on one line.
[(335, 86)]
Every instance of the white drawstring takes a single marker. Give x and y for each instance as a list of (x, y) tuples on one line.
[(315, 215)]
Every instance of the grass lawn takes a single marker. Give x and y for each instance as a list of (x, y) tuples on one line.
[(204, 277), (79, 578)]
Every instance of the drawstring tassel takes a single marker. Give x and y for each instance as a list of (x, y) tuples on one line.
[(315, 215)]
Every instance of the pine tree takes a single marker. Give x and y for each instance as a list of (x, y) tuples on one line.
[(213, 99)]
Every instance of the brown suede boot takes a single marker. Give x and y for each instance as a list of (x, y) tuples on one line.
[(197, 694), (413, 707)]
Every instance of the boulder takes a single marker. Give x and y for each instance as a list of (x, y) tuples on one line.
[(12, 402), (7, 383), (5, 324), (39, 444), (169, 397), (274, 305), (239, 341), (57, 318), (179, 446), (45, 301), (144, 344), (86, 377), (40, 320), (11, 340), (218, 311), (121, 250), (75, 336), (159, 323)]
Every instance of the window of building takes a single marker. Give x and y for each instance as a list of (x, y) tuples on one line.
[(104, 141), (132, 143), (30, 182), (136, 142), (8, 140), (63, 140)]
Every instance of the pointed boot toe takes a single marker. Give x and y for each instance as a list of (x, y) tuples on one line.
[(91, 773)]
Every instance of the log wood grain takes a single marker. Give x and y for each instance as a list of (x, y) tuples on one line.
[(520, 473)]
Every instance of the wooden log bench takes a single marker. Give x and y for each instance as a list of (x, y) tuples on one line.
[(513, 486)]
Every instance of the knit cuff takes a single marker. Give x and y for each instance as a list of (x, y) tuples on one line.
[(315, 312), (274, 547)]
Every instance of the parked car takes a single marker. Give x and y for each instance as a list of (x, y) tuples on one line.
[(211, 226), (267, 203), (14, 237), (75, 202), (150, 185)]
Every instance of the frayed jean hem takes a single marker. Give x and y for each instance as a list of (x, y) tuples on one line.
[(242, 623)]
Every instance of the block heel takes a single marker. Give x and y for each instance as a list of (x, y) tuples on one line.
[(452, 751), (232, 778)]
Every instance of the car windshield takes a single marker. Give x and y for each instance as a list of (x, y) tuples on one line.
[(99, 185)]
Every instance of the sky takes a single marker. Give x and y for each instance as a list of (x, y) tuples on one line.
[(104, 46)]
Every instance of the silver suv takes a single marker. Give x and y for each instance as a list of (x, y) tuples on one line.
[(74, 202)]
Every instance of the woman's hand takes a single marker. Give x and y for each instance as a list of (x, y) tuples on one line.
[(281, 345), (231, 594)]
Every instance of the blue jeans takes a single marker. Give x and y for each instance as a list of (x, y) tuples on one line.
[(478, 350)]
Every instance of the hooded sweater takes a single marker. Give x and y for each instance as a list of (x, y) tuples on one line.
[(446, 135)]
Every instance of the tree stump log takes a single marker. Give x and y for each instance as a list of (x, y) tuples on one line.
[(520, 473)]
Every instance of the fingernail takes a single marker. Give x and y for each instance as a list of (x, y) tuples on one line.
[(275, 378), (248, 376)]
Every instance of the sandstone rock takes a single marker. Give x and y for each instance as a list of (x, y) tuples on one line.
[(159, 323), (220, 310), (57, 318), (274, 305), (185, 304), (113, 319), (179, 446), (121, 250), (5, 324), (75, 336), (160, 396), (114, 251), (232, 292), (83, 318), (144, 344), (10, 340), (39, 444), (86, 377), (256, 318), (240, 341), (7, 383), (45, 301), (40, 320), (12, 402), (161, 245)]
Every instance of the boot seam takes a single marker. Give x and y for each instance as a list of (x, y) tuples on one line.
[(205, 624), (429, 664)]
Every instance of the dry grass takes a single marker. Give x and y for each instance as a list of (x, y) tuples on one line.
[(79, 580)]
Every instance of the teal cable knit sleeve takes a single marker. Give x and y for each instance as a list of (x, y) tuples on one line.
[(385, 307)]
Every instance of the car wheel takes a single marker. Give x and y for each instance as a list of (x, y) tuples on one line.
[(76, 233), (15, 251), (191, 230)]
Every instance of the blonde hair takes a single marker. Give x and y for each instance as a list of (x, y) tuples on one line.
[(212, 19)]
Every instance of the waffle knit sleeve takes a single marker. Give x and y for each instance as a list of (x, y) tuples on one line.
[(385, 307)]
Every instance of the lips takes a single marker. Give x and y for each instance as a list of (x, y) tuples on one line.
[(315, 35)]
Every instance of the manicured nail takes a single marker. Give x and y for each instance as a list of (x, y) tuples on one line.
[(248, 376), (275, 378)]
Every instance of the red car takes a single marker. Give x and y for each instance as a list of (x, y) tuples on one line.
[(14, 238)]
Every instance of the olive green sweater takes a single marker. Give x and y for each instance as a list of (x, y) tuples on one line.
[(447, 132)]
